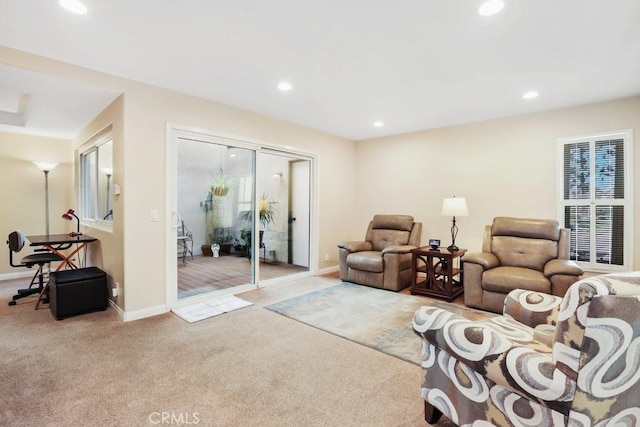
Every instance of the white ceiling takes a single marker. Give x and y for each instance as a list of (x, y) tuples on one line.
[(39, 104), (413, 64)]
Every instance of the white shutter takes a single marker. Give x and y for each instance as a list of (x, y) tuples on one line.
[(595, 182)]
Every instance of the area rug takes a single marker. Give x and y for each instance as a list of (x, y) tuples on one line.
[(372, 317)]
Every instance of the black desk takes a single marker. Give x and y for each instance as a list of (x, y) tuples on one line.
[(60, 242), (57, 243)]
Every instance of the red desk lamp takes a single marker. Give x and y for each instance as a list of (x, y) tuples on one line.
[(69, 215)]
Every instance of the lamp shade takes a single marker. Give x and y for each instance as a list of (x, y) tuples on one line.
[(69, 215), (44, 166), (454, 206)]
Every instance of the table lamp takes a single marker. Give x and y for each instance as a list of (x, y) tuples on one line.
[(69, 215), (453, 207)]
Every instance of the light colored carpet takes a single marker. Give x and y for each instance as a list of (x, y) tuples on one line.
[(250, 367), (372, 317)]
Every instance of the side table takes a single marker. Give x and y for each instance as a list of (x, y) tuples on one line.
[(442, 279)]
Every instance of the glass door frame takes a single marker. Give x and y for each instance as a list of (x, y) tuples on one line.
[(175, 132)]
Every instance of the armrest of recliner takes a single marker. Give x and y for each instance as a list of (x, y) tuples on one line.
[(562, 266), (356, 246), (486, 259), (534, 309), (400, 249), (491, 354)]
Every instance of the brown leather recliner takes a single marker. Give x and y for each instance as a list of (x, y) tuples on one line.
[(518, 253), (383, 259)]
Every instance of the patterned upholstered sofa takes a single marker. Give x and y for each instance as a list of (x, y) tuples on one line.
[(547, 361)]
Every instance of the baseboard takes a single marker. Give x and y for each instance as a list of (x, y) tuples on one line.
[(127, 316), (118, 310), (328, 270), (143, 313), (16, 275)]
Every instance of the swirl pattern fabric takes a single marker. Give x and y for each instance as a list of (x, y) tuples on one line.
[(574, 361)]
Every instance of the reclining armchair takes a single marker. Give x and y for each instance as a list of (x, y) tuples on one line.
[(518, 253), (547, 361), (383, 259)]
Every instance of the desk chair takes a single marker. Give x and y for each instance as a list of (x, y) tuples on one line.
[(16, 243)]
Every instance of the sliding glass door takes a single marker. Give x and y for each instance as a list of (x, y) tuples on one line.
[(284, 206), (241, 216), (214, 205)]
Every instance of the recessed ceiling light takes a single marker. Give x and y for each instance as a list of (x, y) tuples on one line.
[(74, 6), (378, 124), (530, 94), (284, 86), (491, 7)]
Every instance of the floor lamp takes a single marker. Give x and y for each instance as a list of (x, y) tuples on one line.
[(46, 168), (108, 172)]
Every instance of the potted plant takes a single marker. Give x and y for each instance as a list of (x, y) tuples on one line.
[(245, 235), (225, 243), (221, 184), (267, 215), (238, 248), (266, 212)]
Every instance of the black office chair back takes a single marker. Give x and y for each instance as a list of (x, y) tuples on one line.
[(16, 243)]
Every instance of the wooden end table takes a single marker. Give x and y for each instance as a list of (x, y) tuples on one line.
[(442, 279)]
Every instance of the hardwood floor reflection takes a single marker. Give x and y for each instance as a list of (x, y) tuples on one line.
[(207, 274)]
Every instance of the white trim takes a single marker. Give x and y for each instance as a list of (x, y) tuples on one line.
[(171, 250), (284, 279), (118, 310), (215, 294), (16, 275), (188, 132), (328, 270), (128, 316), (99, 138)]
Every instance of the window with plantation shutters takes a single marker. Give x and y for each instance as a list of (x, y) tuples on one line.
[(595, 201)]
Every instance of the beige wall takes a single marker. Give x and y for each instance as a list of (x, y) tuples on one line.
[(107, 253), (22, 191), (149, 109), (141, 166), (503, 167)]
